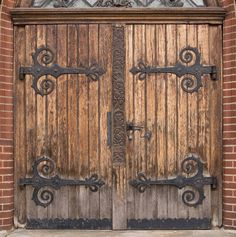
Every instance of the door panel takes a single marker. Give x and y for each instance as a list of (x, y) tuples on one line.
[(68, 125), (180, 123)]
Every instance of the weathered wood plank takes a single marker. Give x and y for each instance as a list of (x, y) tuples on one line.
[(129, 109), (52, 116), (62, 112), (83, 116), (20, 139), (215, 162), (30, 109), (139, 119), (161, 88), (182, 122), (199, 121), (150, 113), (171, 119), (119, 182), (73, 155), (41, 110), (105, 61), (94, 117)]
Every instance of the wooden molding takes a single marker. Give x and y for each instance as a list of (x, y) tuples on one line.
[(209, 15)]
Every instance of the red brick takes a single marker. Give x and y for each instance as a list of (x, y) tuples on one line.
[(8, 221), (231, 215), (228, 178), (228, 222), (9, 192), (227, 207), (228, 193)]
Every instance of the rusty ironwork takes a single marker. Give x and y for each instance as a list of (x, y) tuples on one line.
[(192, 166), (44, 65), (45, 177), (60, 223), (170, 224), (189, 69)]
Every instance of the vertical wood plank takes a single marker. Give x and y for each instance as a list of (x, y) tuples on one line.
[(199, 37), (62, 113), (119, 214), (161, 87), (52, 123), (105, 61), (129, 109), (182, 122), (83, 116), (171, 119), (139, 119), (41, 138), (30, 116), (73, 142), (150, 113), (215, 114), (94, 116), (20, 138)]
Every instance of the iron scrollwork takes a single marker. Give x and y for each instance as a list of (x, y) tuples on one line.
[(113, 3), (172, 3), (44, 64), (189, 69), (45, 177), (192, 166)]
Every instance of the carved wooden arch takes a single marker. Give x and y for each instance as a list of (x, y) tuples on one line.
[(28, 3)]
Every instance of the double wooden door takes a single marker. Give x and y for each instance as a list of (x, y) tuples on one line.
[(118, 126)]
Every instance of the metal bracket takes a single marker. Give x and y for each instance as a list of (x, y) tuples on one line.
[(189, 68), (44, 65), (191, 166), (44, 175)]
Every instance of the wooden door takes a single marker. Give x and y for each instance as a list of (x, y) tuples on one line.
[(63, 159), (118, 126), (176, 127)]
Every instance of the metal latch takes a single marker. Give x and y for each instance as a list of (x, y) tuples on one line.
[(131, 128)]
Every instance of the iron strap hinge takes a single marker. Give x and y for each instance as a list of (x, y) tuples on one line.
[(44, 65), (44, 177), (192, 166), (189, 69)]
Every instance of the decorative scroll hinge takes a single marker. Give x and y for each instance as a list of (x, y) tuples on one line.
[(44, 176), (193, 167), (44, 65), (189, 69)]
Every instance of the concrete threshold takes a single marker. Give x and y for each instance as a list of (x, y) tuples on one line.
[(150, 233)]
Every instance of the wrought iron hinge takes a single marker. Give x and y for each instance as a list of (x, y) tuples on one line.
[(44, 64), (192, 166), (189, 69), (44, 176)]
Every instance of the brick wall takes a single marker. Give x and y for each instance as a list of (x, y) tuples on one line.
[(6, 116), (229, 116)]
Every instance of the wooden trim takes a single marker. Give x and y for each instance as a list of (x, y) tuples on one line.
[(211, 15)]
